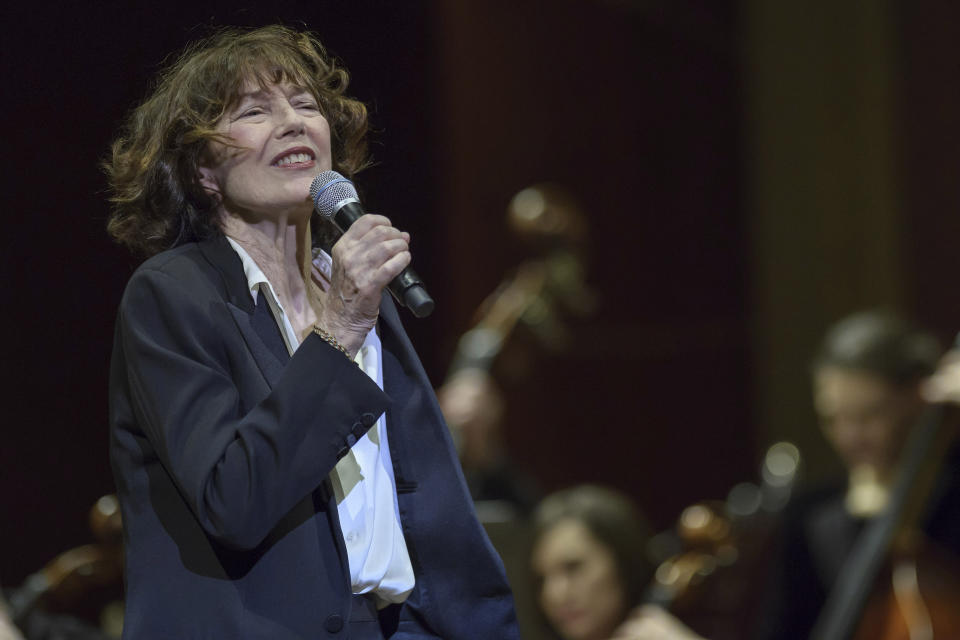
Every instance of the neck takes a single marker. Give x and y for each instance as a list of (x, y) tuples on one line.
[(276, 245), (281, 248), (868, 491)]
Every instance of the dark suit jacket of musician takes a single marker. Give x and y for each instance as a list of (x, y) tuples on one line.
[(221, 446)]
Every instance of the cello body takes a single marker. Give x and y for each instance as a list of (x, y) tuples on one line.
[(917, 597)]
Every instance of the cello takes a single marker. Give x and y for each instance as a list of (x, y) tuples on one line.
[(896, 584)]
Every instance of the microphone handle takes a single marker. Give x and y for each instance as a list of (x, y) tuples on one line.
[(406, 288)]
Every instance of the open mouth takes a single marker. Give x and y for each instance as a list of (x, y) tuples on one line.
[(294, 158)]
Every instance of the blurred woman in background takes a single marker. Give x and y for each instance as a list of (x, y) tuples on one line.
[(589, 561)]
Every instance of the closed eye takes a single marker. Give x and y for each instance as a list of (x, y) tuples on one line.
[(309, 105)]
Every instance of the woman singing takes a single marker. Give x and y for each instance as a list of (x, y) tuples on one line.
[(282, 466)]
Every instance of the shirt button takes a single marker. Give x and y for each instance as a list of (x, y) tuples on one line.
[(333, 624)]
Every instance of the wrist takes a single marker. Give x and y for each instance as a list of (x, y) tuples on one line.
[(350, 335), (332, 340)]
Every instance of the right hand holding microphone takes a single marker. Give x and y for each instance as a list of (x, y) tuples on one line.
[(369, 254), (335, 199)]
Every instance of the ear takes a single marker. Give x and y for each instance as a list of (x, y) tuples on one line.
[(207, 178)]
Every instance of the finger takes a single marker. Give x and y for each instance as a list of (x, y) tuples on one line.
[(392, 267), (368, 256), (356, 243), (370, 270), (368, 221), (382, 252), (360, 242), (381, 233)]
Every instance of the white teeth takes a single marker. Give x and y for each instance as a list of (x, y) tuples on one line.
[(293, 157)]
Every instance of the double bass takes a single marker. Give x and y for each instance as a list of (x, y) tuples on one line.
[(544, 289)]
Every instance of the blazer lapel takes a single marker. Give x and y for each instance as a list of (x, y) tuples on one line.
[(255, 322), (392, 330), (413, 412), (261, 333)]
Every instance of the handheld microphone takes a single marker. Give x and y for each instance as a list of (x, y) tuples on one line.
[(335, 199)]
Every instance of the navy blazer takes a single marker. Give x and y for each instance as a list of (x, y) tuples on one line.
[(222, 444)]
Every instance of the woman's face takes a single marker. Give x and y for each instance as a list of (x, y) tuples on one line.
[(581, 595), (283, 142)]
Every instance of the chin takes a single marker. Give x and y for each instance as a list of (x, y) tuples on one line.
[(296, 206), (578, 632)]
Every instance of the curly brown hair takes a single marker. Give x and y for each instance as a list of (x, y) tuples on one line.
[(158, 201)]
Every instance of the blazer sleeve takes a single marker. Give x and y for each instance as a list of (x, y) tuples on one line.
[(240, 470)]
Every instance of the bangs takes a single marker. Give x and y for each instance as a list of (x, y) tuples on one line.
[(268, 65)]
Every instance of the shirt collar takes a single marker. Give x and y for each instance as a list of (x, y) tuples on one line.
[(254, 274)]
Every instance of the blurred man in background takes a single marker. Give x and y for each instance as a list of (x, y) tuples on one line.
[(867, 381), (871, 381)]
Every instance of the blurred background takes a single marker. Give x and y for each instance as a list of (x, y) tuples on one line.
[(748, 172)]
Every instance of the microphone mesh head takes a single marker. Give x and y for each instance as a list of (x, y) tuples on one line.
[(329, 191)]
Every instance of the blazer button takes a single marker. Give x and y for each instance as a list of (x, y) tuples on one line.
[(368, 419), (333, 624), (359, 429)]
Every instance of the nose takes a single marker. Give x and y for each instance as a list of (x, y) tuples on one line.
[(290, 122), (849, 430), (554, 590)]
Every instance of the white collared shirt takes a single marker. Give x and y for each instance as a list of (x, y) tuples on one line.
[(362, 481)]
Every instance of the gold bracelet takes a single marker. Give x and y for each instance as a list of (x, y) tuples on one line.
[(333, 342)]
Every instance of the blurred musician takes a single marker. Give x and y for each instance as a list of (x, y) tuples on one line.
[(589, 560), (870, 381), (867, 380), (473, 407)]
